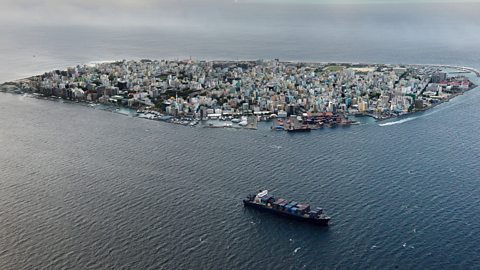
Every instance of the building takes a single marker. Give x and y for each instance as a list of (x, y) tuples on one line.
[(439, 77)]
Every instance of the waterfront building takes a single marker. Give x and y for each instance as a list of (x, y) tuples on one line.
[(251, 87), (438, 77)]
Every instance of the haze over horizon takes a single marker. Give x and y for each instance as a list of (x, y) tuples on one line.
[(45, 34), (181, 12)]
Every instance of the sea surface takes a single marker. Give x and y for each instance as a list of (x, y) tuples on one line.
[(82, 188), (428, 33)]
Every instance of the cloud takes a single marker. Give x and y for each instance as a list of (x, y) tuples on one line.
[(350, 2), (93, 12), (182, 14)]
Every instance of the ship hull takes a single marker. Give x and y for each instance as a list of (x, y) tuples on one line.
[(299, 130), (321, 222)]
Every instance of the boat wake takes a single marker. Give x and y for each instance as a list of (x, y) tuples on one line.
[(398, 122), (441, 107)]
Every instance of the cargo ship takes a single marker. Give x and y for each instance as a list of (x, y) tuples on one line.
[(290, 209)]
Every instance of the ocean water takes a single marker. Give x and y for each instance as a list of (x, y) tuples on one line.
[(429, 33), (84, 188), (88, 189)]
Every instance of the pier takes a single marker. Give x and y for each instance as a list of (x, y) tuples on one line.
[(186, 91)]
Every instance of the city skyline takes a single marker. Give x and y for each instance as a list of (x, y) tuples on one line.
[(84, 31)]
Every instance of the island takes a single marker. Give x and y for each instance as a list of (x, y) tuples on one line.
[(295, 96)]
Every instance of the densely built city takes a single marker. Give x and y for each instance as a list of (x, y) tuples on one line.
[(300, 96)]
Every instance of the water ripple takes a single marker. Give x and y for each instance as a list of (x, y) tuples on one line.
[(107, 191)]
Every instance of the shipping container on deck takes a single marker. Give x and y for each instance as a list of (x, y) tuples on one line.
[(282, 205), (266, 199), (277, 203), (302, 208)]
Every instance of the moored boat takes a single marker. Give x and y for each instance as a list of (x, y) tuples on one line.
[(300, 129)]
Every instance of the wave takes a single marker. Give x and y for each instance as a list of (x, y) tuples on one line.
[(93, 63), (398, 122)]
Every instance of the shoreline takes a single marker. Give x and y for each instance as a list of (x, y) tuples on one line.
[(315, 120), (384, 118), (206, 124)]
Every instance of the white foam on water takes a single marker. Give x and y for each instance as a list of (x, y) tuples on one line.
[(202, 238), (432, 111), (398, 122), (94, 63)]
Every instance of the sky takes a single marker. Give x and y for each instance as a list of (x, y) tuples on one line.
[(428, 20), (39, 35), (168, 13)]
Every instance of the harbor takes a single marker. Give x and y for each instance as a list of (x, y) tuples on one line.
[(291, 97)]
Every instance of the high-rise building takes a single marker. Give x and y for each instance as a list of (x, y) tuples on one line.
[(438, 77)]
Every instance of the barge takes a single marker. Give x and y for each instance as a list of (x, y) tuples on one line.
[(290, 209), (300, 129)]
